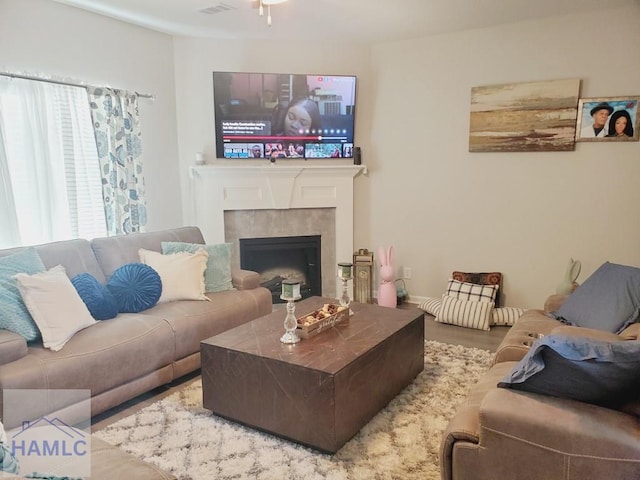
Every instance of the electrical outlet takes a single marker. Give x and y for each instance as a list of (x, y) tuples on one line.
[(407, 273)]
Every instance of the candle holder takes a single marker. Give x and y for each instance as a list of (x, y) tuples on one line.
[(345, 301), (345, 274), (290, 293)]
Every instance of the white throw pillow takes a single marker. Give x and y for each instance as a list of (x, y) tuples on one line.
[(182, 274), (471, 291), (506, 315), (465, 313), (431, 305), (55, 305)]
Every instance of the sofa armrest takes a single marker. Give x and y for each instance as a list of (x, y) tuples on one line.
[(464, 427), (12, 346), (559, 424), (589, 333), (245, 279), (632, 332), (507, 433)]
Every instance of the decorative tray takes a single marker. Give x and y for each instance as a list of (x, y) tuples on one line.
[(321, 319)]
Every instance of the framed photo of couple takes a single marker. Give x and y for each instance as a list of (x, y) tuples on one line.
[(608, 119)]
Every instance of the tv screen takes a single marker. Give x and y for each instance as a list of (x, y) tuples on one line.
[(270, 115)]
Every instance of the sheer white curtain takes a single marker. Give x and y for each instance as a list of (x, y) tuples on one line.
[(52, 163), (9, 234)]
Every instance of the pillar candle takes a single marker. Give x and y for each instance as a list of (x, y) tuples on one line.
[(344, 270), (290, 289)]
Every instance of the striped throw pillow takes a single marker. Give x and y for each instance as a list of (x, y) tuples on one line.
[(506, 315), (431, 305), (465, 313)]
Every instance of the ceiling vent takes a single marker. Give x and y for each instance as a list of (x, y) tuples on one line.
[(219, 8)]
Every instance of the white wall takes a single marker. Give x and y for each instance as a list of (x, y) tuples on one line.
[(524, 214), (47, 38), (442, 207)]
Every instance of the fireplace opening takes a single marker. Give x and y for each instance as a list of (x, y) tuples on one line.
[(284, 258)]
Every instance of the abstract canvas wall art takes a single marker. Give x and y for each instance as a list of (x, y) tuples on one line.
[(524, 117)]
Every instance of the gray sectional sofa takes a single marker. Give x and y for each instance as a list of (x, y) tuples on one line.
[(120, 358)]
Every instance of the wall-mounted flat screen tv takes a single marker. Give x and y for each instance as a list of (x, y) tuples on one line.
[(269, 115)]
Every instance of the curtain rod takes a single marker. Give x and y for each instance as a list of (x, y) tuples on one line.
[(62, 82)]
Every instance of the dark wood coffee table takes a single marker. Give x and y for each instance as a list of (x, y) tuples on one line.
[(321, 391)]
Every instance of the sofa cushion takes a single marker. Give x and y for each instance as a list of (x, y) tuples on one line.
[(135, 286), (99, 300), (100, 358), (113, 252), (14, 315), (76, 256), (594, 371), (54, 305), (217, 276), (194, 321), (464, 313), (608, 300), (182, 273)]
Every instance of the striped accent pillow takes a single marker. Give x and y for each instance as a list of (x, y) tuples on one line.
[(471, 291), (506, 315), (431, 305), (465, 313)]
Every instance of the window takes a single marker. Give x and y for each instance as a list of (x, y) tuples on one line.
[(54, 189)]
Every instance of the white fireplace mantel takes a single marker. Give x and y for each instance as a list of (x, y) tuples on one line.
[(220, 188)]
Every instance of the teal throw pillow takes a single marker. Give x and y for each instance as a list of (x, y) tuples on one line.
[(100, 302), (8, 462), (593, 371), (217, 276), (14, 315)]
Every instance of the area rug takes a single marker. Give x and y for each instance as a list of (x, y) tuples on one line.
[(401, 442)]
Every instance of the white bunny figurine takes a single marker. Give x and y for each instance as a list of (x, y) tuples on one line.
[(569, 284), (387, 289)]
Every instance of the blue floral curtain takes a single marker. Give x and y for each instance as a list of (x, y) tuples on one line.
[(116, 123)]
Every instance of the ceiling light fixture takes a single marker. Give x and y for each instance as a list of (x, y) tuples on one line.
[(268, 4)]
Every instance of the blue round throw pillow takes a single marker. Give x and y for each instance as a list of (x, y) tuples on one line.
[(98, 299), (135, 286)]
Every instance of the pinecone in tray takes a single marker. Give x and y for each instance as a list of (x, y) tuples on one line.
[(317, 315)]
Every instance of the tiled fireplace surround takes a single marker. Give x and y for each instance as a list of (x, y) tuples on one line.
[(251, 201)]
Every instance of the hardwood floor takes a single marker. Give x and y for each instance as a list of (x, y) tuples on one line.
[(433, 331), (441, 332)]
